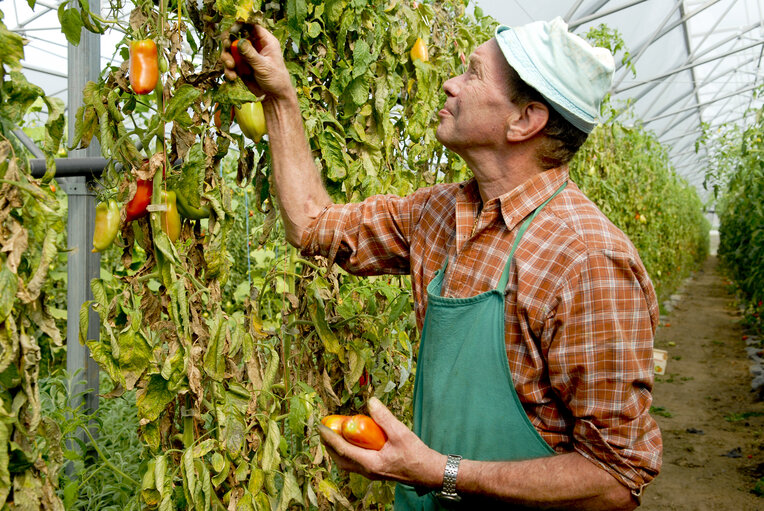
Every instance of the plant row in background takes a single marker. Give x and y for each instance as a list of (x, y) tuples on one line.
[(627, 173), (737, 176), (228, 346)]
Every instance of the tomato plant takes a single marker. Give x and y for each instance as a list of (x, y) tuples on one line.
[(736, 174), (31, 453)]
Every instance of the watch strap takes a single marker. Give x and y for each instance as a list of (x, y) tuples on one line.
[(448, 492)]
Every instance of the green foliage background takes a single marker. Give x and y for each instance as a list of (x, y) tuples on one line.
[(737, 175)]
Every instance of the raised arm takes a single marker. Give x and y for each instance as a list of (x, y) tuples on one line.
[(299, 190)]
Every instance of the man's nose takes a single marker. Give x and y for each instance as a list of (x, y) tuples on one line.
[(450, 87)]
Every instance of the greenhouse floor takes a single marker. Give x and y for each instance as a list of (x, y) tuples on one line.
[(712, 423)]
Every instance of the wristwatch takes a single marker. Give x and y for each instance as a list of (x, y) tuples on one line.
[(448, 492)]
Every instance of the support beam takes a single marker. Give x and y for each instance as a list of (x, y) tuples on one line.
[(83, 265), (573, 9), (666, 83), (739, 91), (597, 15), (688, 66), (657, 34)]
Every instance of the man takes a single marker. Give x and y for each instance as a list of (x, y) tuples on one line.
[(535, 366)]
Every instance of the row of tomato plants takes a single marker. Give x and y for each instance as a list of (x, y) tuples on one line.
[(737, 177)]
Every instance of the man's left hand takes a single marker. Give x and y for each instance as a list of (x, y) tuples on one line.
[(404, 457)]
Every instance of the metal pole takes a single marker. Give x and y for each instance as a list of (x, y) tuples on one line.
[(586, 19), (686, 67), (83, 265), (739, 91), (657, 34)]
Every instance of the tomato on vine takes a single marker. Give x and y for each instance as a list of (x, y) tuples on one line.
[(106, 225), (136, 207), (144, 66), (419, 51), (251, 120), (170, 218)]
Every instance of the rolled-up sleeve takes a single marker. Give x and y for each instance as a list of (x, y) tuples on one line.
[(601, 364), (367, 238)]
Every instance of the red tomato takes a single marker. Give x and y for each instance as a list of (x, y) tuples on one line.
[(243, 69), (362, 431), (335, 422), (136, 208)]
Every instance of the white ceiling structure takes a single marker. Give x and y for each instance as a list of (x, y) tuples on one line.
[(696, 61)]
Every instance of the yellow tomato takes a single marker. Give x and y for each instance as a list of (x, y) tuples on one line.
[(419, 51)]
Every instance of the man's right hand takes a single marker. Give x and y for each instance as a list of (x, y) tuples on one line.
[(270, 76)]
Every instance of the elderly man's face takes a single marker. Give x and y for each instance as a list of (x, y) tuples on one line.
[(477, 103)]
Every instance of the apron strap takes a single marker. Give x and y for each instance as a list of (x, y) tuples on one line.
[(505, 274)]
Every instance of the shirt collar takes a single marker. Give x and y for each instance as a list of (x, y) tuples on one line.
[(523, 200)]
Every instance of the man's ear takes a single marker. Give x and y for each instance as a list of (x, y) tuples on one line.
[(527, 121)]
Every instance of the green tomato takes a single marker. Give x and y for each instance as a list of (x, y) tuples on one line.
[(251, 120)]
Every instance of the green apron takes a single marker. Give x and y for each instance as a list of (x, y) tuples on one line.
[(464, 400)]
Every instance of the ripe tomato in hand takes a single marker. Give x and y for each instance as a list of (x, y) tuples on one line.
[(362, 431), (335, 422), (243, 69)]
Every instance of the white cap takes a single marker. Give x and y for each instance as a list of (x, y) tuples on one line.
[(571, 74)]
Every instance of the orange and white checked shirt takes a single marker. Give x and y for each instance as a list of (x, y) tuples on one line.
[(581, 311)]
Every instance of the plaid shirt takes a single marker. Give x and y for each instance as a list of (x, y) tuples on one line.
[(581, 311)]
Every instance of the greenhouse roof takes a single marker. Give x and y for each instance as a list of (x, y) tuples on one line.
[(694, 61)]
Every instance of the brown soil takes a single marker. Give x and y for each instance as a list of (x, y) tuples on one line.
[(713, 428)]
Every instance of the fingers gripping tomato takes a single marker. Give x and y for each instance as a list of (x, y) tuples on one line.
[(136, 208), (361, 430), (171, 218), (251, 120), (335, 422), (106, 225), (144, 66), (419, 51), (243, 69)]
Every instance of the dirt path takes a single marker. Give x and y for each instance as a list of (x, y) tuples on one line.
[(713, 429)]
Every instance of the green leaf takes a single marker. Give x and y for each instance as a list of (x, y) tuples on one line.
[(214, 358), (271, 457), (134, 356), (362, 58), (181, 101), (233, 93), (298, 415), (331, 344), (71, 23), (19, 95), (11, 48), (333, 153), (8, 286), (153, 398)]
